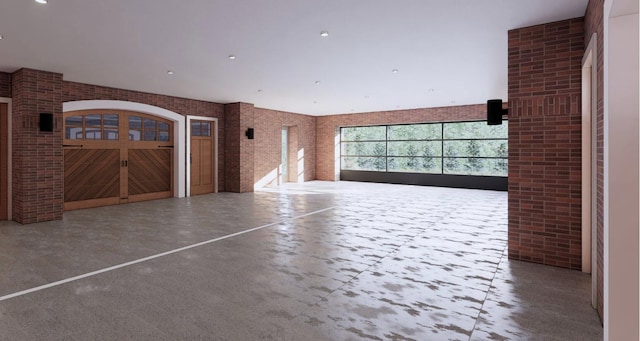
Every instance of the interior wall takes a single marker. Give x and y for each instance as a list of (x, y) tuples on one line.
[(545, 70), (5, 85), (594, 23), (268, 148), (328, 140), (621, 243)]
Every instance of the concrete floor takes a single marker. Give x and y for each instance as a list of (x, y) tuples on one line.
[(316, 261)]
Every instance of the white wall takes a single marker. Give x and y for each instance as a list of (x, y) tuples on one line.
[(621, 288)]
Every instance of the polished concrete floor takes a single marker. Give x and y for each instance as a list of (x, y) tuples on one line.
[(313, 261)]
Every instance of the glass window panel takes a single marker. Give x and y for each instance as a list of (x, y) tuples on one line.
[(135, 122), (92, 134), (415, 132), (73, 133), (431, 165), (205, 128), (163, 126), (378, 133), (363, 148), (73, 121), (195, 128), (475, 130), (364, 163), (477, 148), (149, 124), (93, 120), (110, 121), (135, 135), (415, 148), (150, 135), (475, 166), (163, 136), (110, 134)]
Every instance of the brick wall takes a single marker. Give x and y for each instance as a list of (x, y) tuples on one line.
[(268, 147), (545, 64), (78, 92), (5, 84), (594, 23), (239, 149), (327, 125), (37, 156)]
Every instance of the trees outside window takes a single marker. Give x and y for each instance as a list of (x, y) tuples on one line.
[(465, 148)]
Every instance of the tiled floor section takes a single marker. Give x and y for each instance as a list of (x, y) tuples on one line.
[(340, 261)]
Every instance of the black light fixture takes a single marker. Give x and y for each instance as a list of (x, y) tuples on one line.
[(46, 122), (495, 112), (249, 133)]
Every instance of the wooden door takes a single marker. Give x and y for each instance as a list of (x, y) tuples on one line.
[(114, 157), (4, 157), (202, 157)]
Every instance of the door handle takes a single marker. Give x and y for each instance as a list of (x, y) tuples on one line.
[(125, 163)]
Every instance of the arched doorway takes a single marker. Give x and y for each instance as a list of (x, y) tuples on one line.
[(116, 156)]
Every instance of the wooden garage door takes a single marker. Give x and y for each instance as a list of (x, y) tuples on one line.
[(114, 157)]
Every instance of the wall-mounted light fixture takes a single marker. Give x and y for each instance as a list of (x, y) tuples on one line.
[(46, 122), (495, 112), (249, 133)]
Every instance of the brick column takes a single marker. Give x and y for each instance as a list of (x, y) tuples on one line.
[(545, 68), (239, 150), (37, 156)]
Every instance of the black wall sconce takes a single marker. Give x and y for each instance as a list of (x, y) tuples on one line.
[(495, 112), (46, 122), (249, 133)]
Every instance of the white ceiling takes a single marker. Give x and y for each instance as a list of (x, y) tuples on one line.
[(447, 52)]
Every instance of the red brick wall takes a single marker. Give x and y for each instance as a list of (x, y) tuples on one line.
[(545, 64), (594, 23), (239, 149), (327, 125), (5, 84), (78, 92), (37, 156), (268, 147)]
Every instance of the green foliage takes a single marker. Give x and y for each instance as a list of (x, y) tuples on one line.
[(427, 162), (473, 164), (450, 163), (412, 160)]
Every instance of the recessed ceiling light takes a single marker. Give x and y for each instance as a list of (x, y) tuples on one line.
[(431, 90), (1, 37), (259, 90), (324, 33), (394, 70), (315, 102), (317, 82), (42, 1), (169, 72), (366, 97), (232, 56)]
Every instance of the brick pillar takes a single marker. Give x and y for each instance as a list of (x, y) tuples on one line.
[(545, 68), (239, 150), (37, 156)]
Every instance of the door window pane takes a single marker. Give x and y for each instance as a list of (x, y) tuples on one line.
[(195, 128), (364, 133)]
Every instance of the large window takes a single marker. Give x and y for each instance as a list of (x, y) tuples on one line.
[(456, 148)]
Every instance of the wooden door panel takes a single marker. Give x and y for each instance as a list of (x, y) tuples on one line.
[(91, 174), (149, 171), (196, 155), (202, 176)]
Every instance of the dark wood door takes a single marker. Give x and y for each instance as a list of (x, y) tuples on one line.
[(115, 157), (4, 157), (202, 157)]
